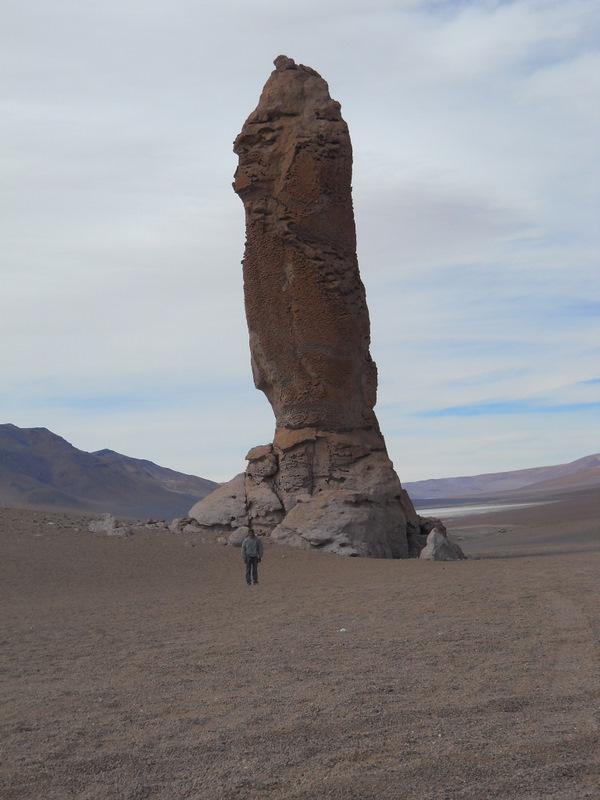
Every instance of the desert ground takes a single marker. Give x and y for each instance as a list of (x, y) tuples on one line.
[(144, 667)]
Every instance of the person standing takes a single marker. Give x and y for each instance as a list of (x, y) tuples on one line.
[(252, 551)]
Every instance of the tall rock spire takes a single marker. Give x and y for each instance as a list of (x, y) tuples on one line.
[(305, 301), (326, 480)]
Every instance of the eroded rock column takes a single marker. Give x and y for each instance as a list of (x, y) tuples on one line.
[(326, 480)]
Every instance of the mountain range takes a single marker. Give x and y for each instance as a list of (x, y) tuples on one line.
[(542, 482), (39, 469)]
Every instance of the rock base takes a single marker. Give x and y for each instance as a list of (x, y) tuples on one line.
[(333, 491)]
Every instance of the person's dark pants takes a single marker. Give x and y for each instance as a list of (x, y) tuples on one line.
[(252, 570)]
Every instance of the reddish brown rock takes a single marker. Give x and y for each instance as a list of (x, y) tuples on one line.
[(305, 302), (326, 482)]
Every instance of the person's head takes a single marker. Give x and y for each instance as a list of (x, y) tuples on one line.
[(252, 534)]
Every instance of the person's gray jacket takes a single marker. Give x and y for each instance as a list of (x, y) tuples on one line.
[(252, 547)]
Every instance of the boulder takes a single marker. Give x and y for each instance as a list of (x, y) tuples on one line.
[(440, 547), (345, 523), (264, 508), (223, 508), (418, 528)]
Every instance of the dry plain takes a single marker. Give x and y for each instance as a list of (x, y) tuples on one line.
[(145, 668)]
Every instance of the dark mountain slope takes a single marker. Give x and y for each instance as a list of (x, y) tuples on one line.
[(39, 469)]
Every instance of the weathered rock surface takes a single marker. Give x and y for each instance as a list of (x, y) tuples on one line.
[(225, 508), (440, 547), (305, 302), (326, 480), (346, 523), (237, 537)]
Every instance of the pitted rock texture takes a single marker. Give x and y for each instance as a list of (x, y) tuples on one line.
[(333, 491), (326, 481), (337, 492), (305, 302)]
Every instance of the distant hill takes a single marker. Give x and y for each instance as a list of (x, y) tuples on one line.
[(580, 474), (39, 469)]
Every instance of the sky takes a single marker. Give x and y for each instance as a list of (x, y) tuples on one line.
[(475, 128)]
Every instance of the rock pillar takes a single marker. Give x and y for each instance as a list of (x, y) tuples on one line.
[(326, 480)]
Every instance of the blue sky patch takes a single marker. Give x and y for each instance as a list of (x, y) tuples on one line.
[(509, 407)]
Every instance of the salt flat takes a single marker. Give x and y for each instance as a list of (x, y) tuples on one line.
[(470, 509)]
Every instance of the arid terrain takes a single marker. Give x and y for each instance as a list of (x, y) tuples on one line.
[(144, 667)]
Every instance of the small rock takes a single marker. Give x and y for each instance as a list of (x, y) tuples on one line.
[(184, 524), (440, 548), (109, 526), (191, 527)]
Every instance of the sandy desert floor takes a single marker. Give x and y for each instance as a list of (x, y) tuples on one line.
[(146, 668)]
